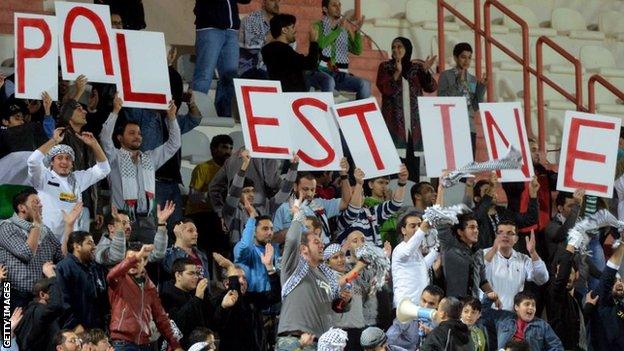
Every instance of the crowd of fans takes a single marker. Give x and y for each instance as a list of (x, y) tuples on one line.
[(101, 253)]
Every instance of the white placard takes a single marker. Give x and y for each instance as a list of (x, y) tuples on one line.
[(588, 153), (445, 132), (264, 118), (314, 130), (503, 126), (36, 52), (368, 138), (86, 43), (143, 74)]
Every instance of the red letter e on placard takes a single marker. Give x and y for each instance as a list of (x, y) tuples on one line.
[(253, 121), (573, 154)]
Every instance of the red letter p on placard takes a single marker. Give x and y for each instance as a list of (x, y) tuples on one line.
[(36, 53), (588, 153)]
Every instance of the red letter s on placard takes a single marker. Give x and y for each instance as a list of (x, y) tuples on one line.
[(331, 154), (360, 112), (24, 53), (252, 120), (575, 154), (103, 45)]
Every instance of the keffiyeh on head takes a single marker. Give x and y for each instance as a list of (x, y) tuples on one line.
[(334, 339), (57, 150), (330, 251)]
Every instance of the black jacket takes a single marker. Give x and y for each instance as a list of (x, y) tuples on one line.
[(609, 334), (27, 137), (240, 326), (486, 227), (40, 322), (286, 65), (84, 291), (450, 335), (185, 309), (220, 14)]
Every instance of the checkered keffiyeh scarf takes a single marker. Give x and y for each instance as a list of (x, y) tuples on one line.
[(335, 339), (512, 160), (338, 51), (129, 176), (25, 226)]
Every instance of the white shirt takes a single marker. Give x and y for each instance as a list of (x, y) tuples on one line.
[(410, 270), (507, 275), (55, 192)]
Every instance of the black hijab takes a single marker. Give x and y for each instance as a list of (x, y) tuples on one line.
[(406, 61)]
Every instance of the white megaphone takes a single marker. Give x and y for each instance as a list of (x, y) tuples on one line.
[(407, 311)]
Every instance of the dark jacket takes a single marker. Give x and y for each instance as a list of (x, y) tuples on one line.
[(27, 137), (286, 65), (134, 304), (84, 292), (564, 312), (463, 266), (610, 314), (557, 233), (40, 322), (241, 327), (220, 14), (185, 309), (486, 228), (450, 335)]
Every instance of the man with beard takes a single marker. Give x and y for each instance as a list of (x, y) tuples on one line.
[(133, 178), (565, 315), (83, 283), (608, 334)]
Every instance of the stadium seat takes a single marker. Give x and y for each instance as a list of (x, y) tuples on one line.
[(598, 59), (571, 23), (611, 24), (467, 9), (529, 17), (195, 147)]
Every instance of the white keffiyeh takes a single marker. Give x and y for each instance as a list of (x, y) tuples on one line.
[(129, 174), (335, 339), (578, 235), (437, 215), (377, 263)]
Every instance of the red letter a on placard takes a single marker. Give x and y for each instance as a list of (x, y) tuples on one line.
[(103, 45)]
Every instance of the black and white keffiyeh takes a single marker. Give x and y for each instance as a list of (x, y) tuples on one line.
[(437, 215), (335, 339), (512, 160), (129, 173), (377, 263), (578, 236)]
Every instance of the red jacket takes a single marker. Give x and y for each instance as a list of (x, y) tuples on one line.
[(133, 307)]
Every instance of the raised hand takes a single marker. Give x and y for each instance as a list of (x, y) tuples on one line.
[(15, 319), (164, 213), (172, 111), (81, 84), (94, 99), (579, 195), (145, 251), (88, 139), (534, 187), (244, 155), (590, 299), (359, 175), (201, 288), (47, 103), (430, 61), (71, 217), (267, 257), (222, 261), (344, 166), (530, 243), (48, 269), (117, 104), (58, 135), (483, 80), (229, 299), (403, 174), (251, 211), (3, 272)]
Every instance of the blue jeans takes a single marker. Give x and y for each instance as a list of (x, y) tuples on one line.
[(319, 80), (597, 257), (348, 82), (120, 345), (217, 48), (168, 190)]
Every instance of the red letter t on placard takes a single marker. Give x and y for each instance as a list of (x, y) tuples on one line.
[(360, 112), (103, 45), (24, 53), (449, 149), (253, 120), (575, 154)]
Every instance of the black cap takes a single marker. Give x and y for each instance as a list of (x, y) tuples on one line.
[(13, 108)]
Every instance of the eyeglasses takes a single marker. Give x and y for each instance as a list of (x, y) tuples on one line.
[(506, 233)]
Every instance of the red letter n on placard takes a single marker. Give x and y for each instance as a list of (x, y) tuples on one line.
[(23, 53), (449, 148), (490, 125), (253, 121), (360, 112), (103, 45), (331, 154), (573, 154)]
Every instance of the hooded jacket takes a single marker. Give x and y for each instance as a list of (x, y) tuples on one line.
[(450, 335)]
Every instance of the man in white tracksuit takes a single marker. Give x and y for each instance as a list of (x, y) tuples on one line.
[(60, 188)]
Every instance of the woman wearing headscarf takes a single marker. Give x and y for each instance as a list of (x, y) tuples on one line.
[(401, 81)]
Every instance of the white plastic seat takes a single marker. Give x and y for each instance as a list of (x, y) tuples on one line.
[(466, 8), (420, 11), (611, 23), (376, 9), (571, 23), (598, 59), (529, 17), (195, 147), (237, 137), (555, 63)]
